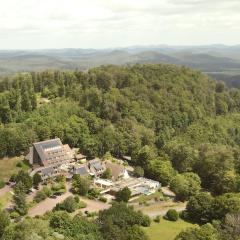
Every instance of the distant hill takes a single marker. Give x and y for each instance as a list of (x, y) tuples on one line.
[(220, 61), (233, 81)]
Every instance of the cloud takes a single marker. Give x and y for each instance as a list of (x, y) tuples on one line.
[(108, 23)]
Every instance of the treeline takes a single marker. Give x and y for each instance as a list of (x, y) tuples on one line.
[(157, 96), (218, 217), (16, 97)]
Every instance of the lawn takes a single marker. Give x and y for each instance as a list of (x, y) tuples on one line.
[(166, 230), (8, 167)]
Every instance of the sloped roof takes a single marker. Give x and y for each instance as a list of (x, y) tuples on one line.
[(43, 147), (82, 170), (93, 161), (53, 150), (96, 164)]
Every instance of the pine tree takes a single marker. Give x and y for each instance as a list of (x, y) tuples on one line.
[(19, 199), (26, 102)]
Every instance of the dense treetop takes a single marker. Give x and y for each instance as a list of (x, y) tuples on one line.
[(167, 118)]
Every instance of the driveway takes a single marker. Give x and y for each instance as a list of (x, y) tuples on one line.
[(47, 205)]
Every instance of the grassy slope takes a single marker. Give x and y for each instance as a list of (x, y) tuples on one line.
[(8, 167), (166, 230)]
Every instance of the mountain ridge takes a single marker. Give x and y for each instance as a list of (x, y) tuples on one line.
[(213, 59)]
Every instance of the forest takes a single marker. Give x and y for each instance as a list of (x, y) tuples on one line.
[(179, 127)]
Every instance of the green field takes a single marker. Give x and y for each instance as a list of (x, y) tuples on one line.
[(166, 230), (8, 167)]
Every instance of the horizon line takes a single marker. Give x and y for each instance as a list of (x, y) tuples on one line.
[(126, 47)]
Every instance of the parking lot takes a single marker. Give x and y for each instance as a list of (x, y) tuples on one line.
[(49, 203)]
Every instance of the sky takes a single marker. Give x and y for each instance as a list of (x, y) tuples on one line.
[(39, 24)]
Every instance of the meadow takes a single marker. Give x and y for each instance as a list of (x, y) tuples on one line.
[(166, 230)]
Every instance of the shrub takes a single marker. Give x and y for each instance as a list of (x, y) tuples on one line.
[(92, 214), (123, 195), (13, 178), (47, 191), (25, 179), (76, 198), (36, 180), (157, 219), (172, 215), (93, 193), (58, 188), (61, 191), (184, 215), (102, 199), (81, 185), (81, 204), (146, 221), (14, 215), (4, 222), (40, 196), (19, 164), (68, 205)]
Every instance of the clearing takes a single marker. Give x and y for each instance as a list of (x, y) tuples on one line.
[(166, 230)]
